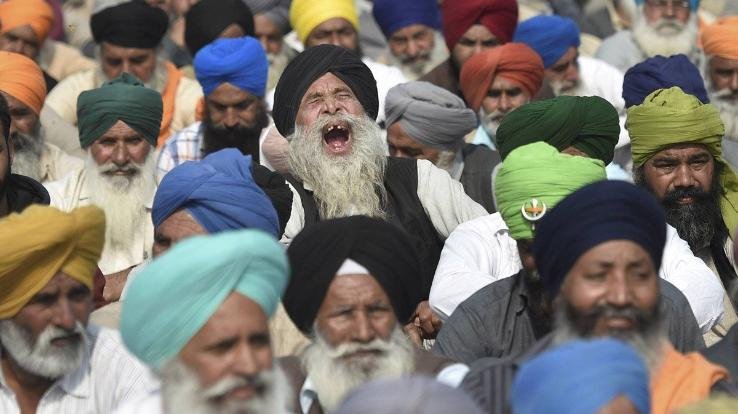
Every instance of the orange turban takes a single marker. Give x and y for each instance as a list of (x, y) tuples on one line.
[(721, 38), (42, 241), (21, 78), (515, 62), (36, 13)]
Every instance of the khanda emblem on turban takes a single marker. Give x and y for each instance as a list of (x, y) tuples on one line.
[(533, 210)]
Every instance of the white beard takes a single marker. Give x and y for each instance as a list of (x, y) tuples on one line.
[(124, 199), (345, 185), (561, 88), (29, 149), (182, 393), (491, 121), (666, 38), (728, 109), (41, 358), (447, 160), (333, 377), (434, 57)]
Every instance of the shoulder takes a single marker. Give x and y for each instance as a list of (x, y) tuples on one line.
[(150, 403), (484, 227), (62, 192), (79, 81), (382, 72)]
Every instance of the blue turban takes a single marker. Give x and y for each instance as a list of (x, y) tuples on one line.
[(549, 36), (393, 15), (241, 62), (219, 192), (693, 4), (662, 73), (177, 293), (595, 214), (581, 377)]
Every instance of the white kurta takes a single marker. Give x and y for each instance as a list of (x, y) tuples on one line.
[(482, 251), (56, 164)]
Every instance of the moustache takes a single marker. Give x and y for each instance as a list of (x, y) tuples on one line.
[(639, 318), (128, 169), (672, 198), (226, 385)]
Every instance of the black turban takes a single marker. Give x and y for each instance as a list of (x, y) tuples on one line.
[(132, 24), (206, 20), (310, 65), (319, 251)]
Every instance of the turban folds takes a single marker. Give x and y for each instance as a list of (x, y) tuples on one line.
[(306, 15), (206, 20), (35, 13), (219, 192), (668, 117), (21, 78), (721, 38), (659, 72), (499, 17), (241, 62), (515, 62), (581, 377), (392, 15), (133, 24), (595, 214), (41, 241), (308, 67), (319, 250), (589, 124), (538, 171), (122, 99), (549, 36), (177, 293), (430, 114)]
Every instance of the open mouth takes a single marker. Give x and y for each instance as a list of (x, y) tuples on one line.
[(337, 137), (685, 200)]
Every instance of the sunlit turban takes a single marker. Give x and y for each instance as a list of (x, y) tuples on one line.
[(549, 36), (659, 72), (499, 17), (306, 15), (131, 24), (35, 13), (21, 78), (42, 241), (514, 62), (721, 38), (393, 15), (177, 293)]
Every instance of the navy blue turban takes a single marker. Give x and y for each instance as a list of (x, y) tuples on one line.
[(219, 192), (549, 36), (592, 215), (662, 73), (241, 62), (393, 15)]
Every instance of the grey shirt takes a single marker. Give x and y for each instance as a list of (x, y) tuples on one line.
[(496, 322)]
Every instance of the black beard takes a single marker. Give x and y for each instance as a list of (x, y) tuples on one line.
[(539, 305), (243, 138), (583, 325), (696, 222)]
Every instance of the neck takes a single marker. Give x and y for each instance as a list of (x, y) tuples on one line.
[(28, 388)]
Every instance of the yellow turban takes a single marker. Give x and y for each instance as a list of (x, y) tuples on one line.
[(21, 78), (35, 13), (306, 15), (41, 241), (721, 38)]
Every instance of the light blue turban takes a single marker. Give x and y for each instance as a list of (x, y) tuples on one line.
[(219, 192), (549, 36), (241, 62), (177, 293), (693, 4), (581, 377)]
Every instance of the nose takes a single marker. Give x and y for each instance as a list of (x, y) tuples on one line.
[(125, 66), (231, 118), (734, 81), (412, 49), (121, 156), (618, 293), (63, 316), (669, 9), (572, 71), (330, 106), (13, 128), (245, 361), (364, 331), (335, 39), (505, 103), (683, 177), (478, 48)]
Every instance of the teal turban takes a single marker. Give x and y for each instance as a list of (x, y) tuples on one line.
[(122, 99), (177, 293), (587, 123)]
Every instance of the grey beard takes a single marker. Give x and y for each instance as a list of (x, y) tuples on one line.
[(346, 185), (333, 376), (666, 40), (182, 393), (41, 358), (29, 150), (728, 109)]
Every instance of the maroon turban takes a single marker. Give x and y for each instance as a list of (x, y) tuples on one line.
[(499, 16)]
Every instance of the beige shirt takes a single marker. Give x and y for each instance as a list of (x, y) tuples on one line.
[(60, 60), (72, 191), (56, 164)]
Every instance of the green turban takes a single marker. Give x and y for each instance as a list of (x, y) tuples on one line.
[(587, 123), (539, 171), (668, 117), (125, 99)]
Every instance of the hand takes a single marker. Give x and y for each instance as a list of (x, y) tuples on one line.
[(424, 324)]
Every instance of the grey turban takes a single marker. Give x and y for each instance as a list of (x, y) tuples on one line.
[(431, 115), (275, 10)]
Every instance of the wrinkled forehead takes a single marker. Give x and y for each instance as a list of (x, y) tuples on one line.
[(354, 289), (684, 150), (326, 84)]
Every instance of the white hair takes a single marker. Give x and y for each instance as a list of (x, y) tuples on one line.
[(666, 37), (28, 153)]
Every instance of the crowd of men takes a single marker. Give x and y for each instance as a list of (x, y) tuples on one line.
[(357, 206)]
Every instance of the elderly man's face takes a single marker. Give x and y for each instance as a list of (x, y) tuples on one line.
[(402, 145), (117, 59), (724, 78), (120, 146), (268, 33), (680, 167), (412, 44), (230, 106), (336, 31), (564, 74), (656, 10), (180, 225), (23, 119), (612, 289), (234, 343), (21, 40), (503, 96), (477, 39)]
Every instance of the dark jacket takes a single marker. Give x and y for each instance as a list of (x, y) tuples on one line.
[(23, 191)]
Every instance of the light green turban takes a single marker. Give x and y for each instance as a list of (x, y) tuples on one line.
[(177, 293), (668, 117), (125, 99), (538, 171)]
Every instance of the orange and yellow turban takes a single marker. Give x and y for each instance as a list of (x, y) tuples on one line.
[(42, 241), (721, 38), (35, 13), (21, 78)]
